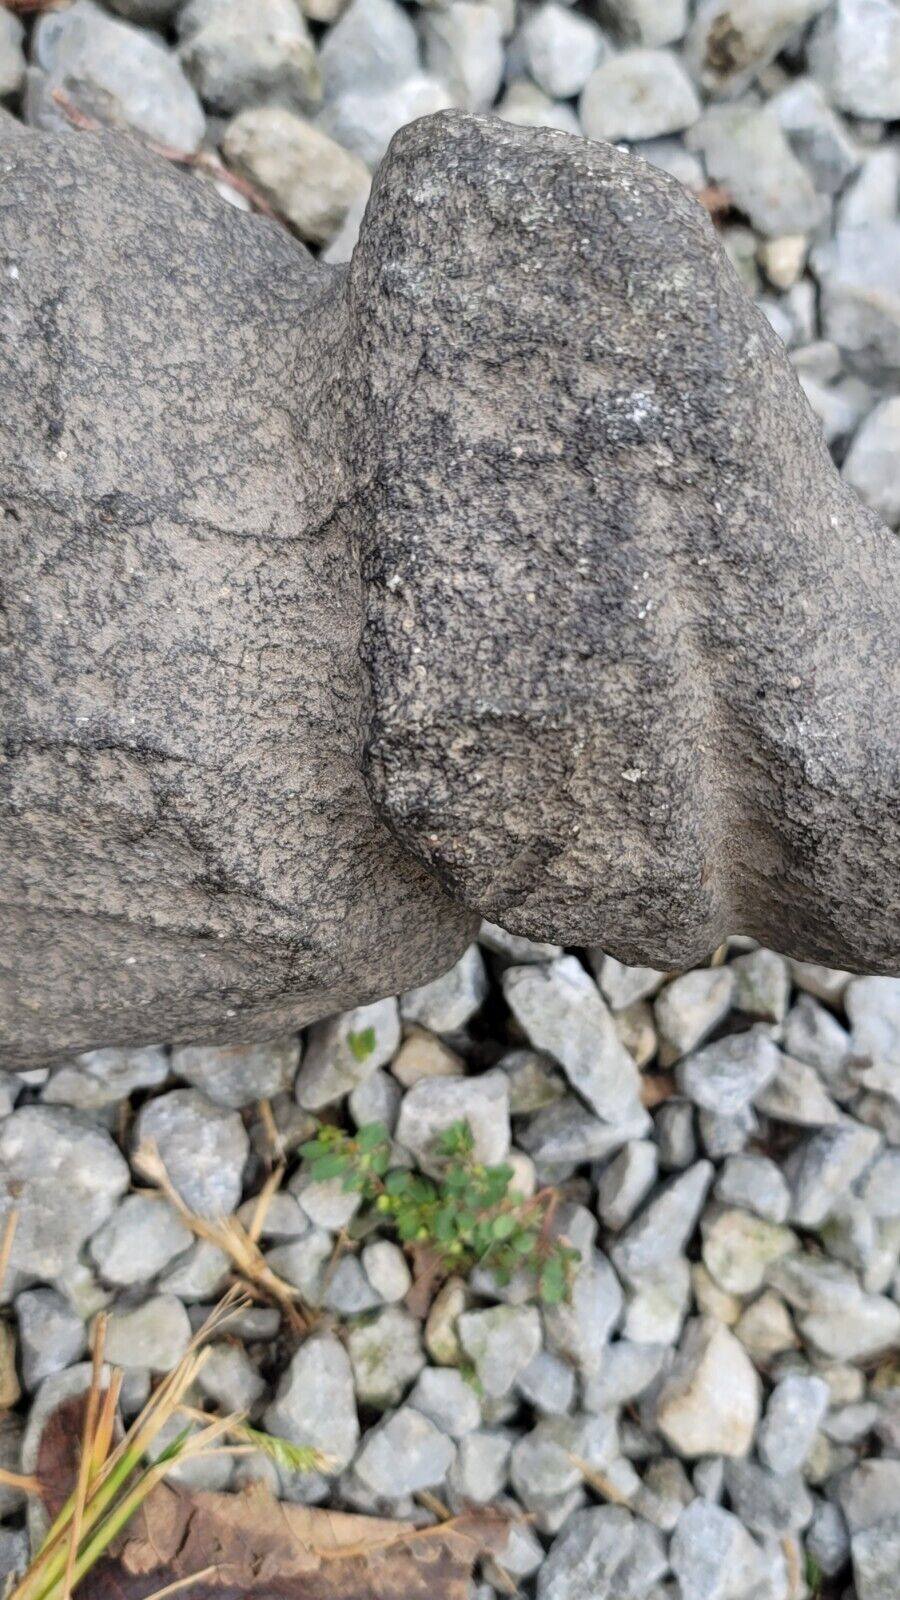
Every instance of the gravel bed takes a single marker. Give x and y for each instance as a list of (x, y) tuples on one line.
[(726, 1141)]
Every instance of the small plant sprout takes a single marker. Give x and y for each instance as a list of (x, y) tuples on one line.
[(468, 1217)]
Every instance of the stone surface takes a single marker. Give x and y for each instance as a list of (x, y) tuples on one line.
[(51, 1334), (872, 464), (822, 1167), (315, 1403), (738, 1248), (235, 1075), (435, 1104), (103, 1077), (586, 1557), (387, 1356), (855, 53), (662, 1229), (709, 1403), (64, 1176), (248, 52), (344, 1052), (463, 47), (754, 1183), (308, 177), (726, 1077), (560, 49), (638, 94), (202, 1147), (794, 1411), (443, 1395), (858, 272), (123, 76), (154, 1335), (625, 1182), (412, 822), (562, 1012), (12, 59), (746, 151), (404, 1454), (139, 1240), (500, 1342), (448, 1002), (690, 1007), (730, 41)]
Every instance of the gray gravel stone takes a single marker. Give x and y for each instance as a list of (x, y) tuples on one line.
[(730, 41), (578, 1328), (303, 1262), (464, 48), (746, 151), (202, 1146), (621, 986), (315, 1403), (544, 1469), (343, 1052), (121, 75), (526, 106), (568, 1134), (153, 1335), (140, 1239), (873, 1007), (868, 1493), (662, 1229), (872, 464), (372, 46), (64, 1176), (871, 1328), (712, 1556), (237, 1075), (797, 1095), (762, 984), (450, 1001), (404, 1454), (876, 1560), (444, 1395), (627, 1370), (308, 177), (767, 1503), (548, 1384), (435, 1104), (754, 1183), (229, 1378), (657, 1303), (723, 1136), (854, 53), (249, 52), (584, 1559), (364, 122), (879, 1188), (387, 1356), (638, 94), (560, 49), (689, 1008), (500, 1342), (651, 22), (874, 194), (51, 1335), (479, 1473), (827, 1540), (562, 1012), (200, 1274), (739, 1248), (386, 1269), (103, 1077), (347, 1291), (814, 1035), (625, 1182), (376, 1100), (518, 952), (816, 134), (676, 1139), (14, 1550), (324, 1201), (823, 1166), (709, 1403), (726, 1077), (858, 271)]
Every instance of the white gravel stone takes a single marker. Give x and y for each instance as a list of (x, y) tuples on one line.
[(154, 1335), (762, 978), (746, 151), (308, 177), (140, 1239), (229, 1378), (587, 1557), (548, 1384), (871, 1328), (387, 1356), (859, 272), (246, 52), (560, 48), (345, 1051), (200, 1274), (315, 1403), (657, 1303), (404, 1454), (709, 1403), (662, 1229), (52, 1335), (12, 57), (872, 465), (64, 1176), (874, 195), (651, 22), (689, 1008), (823, 1166), (627, 1371), (797, 1095), (479, 1473), (464, 49), (567, 1134), (386, 1269), (638, 94), (726, 1077), (730, 41), (795, 1409), (237, 1075), (444, 1395), (500, 1342), (563, 1013), (450, 1001), (816, 134), (103, 1077), (876, 1559), (526, 106), (511, 946), (372, 47), (854, 53), (754, 1183), (738, 1248), (435, 1104), (873, 1007), (621, 986), (814, 1035), (202, 1147), (625, 1182), (578, 1328), (712, 1556)]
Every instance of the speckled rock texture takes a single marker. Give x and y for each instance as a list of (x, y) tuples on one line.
[(504, 572)]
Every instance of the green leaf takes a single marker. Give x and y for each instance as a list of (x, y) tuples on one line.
[(504, 1226), (362, 1043), (552, 1283), (398, 1181), (371, 1136), (330, 1166), (291, 1457)]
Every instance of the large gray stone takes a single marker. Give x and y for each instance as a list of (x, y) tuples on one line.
[(249, 52), (315, 1404), (405, 1453), (203, 1149), (63, 1175), (237, 1075), (583, 1560), (140, 1239), (264, 760), (435, 1104)]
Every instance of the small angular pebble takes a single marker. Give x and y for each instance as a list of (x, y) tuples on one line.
[(325, 1201), (229, 1378), (464, 49), (444, 1395), (560, 48), (422, 1055), (567, 1133), (746, 152), (202, 1147), (154, 1335), (675, 1136), (689, 1008), (309, 178), (625, 1182), (544, 1469), (821, 1169), (64, 1175), (103, 1077), (387, 1356), (514, 949), (857, 271), (731, 41), (141, 1238), (854, 53), (723, 1136), (868, 1494), (373, 44), (562, 1012), (794, 1411), (712, 1556), (303, 1262), (827, 1540), (199, 1274), (347, 1291), (769, 1504), (315, 1403), (51, 1335), (762, 983), (738, 1248), (435, 1104), (386, 1269), (578, 1328), (709, 1403), (344, 1052), (797, 1095), (754, 1183), (662, 1229), (621, 986), (872, 464), (246, 52), (627, 1370), (873, 1007), (638, 94), (450, 1001), (871, 1329), (584, 1558), (479, 1473), (548, 1384), (237, 1075), (651, 22), (500, 1342), (657, 1303), (404, 1454), (817, 134)]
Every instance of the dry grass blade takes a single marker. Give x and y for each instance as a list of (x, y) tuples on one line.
[(6, 1243), (231, 1236), (86, 1464), (599, 1482), (184, 1583)]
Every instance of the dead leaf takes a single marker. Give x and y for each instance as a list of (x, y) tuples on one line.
[(225, 1546), (9, 1380)]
